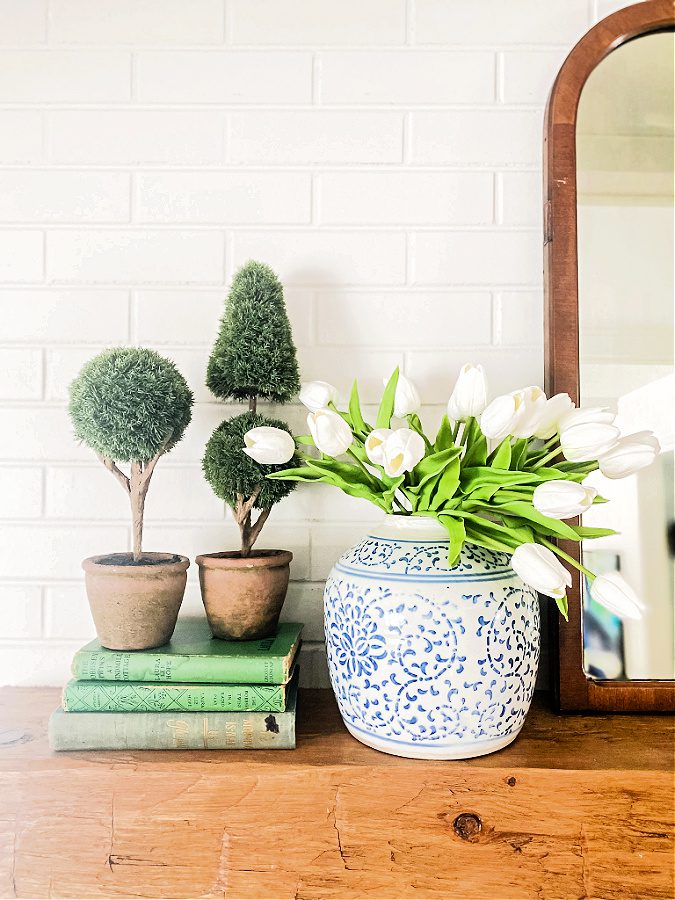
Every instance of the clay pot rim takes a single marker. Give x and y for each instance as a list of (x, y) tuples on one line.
[(230, 559), (170, 564)]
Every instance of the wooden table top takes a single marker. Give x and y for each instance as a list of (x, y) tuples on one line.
[(577, 806)]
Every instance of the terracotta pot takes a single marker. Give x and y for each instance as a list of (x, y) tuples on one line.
[(243, 596), (135, 605)]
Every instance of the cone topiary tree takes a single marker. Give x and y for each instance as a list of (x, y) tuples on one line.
[(130, 405), (254, 358)]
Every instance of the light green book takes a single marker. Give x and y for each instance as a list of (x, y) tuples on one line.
[(193, 656)]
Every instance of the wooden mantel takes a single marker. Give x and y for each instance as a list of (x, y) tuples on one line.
[(577, 807)]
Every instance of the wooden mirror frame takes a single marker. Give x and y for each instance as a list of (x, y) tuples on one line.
[(573, 690)]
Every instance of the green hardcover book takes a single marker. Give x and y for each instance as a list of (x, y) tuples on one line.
[(145, 696), (175, 730), (192, 656)]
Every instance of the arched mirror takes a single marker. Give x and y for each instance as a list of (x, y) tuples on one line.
[(610, 277)]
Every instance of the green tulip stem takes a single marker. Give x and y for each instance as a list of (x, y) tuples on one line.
[(546, 459), (567, 558), (455, 432)]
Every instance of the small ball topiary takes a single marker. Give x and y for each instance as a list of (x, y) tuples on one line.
[(130, 405)]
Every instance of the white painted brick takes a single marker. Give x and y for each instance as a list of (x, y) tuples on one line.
[(224, 77), (409, 198), (64, 76), (20, 136), (162, 22), (20, 374), (477, 137), (205, 418), (350, 22), (406, 77), (329, 542), (225, 198), (528, 75), (38, 433), (21, 492), (521, 198), (192, 364), (66, 613), (193, 316), (56, 316), (488, 257), (326, 257), (496, 22), (36, 664), (316, 137), (328, 504), (607, 7), (403, 319), (132, 137), (522, 319), (20, 612), (304, 603), (54, 196), (183, 494), (86, 492), (366, 364), (313, 665), (55, 551), (435, 373), (21, 255), (23, 23), (142, 256)]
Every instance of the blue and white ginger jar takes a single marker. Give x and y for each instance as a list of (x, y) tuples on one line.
[(427, 661)]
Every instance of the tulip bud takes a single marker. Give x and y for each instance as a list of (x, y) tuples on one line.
[(629, 455), (586, 416), (330, 432), (612, 592), (540, 568), (499, 417), (586, 442), (469, 396), (531, 402), (317, 395), (406, 399), (563, 499), (269, 446), (402, 450), (375, 445), (556, 407)]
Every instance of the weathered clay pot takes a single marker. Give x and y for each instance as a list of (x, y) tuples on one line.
[(243, 596), (135, 605)]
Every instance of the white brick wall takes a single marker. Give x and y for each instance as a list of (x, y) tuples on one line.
[(383, 155)]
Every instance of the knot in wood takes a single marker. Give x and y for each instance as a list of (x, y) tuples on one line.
[(468, 826)]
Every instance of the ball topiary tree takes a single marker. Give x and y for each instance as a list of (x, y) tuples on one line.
[(253, 358), (130, 405)]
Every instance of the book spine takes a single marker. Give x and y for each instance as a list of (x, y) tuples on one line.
[(96, 665), (172, 731), (111, 696)]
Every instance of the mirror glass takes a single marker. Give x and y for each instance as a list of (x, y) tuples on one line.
[(625, 180)]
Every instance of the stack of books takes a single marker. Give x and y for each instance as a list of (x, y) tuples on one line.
[(195, 693)]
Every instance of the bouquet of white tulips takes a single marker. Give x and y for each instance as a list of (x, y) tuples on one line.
[(505, 475)]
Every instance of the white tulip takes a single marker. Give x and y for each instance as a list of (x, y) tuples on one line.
[(499, 418), (563, 499), (330, 432), (269, 446), (469, 396), (406, 399), (531, 402), (586, 442), (586, 416), (540, 568), (556, 407), (375, 445), (401, 452), (629, 455), (317, 395), (612, 592)]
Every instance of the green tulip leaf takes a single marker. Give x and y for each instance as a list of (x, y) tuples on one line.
[(457, 536), (386, 410), (501, 457), (359, 424), (444, 439)]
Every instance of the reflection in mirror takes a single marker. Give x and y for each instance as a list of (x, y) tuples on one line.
[(625, 179)]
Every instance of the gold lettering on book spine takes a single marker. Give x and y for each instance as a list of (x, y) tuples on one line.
[(179, 729)]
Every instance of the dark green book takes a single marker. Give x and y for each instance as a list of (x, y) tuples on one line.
[(146, 696), (192, 656), (175, 730)]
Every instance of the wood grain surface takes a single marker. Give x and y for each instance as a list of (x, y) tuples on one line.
[(576, 807), (574, 690)]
